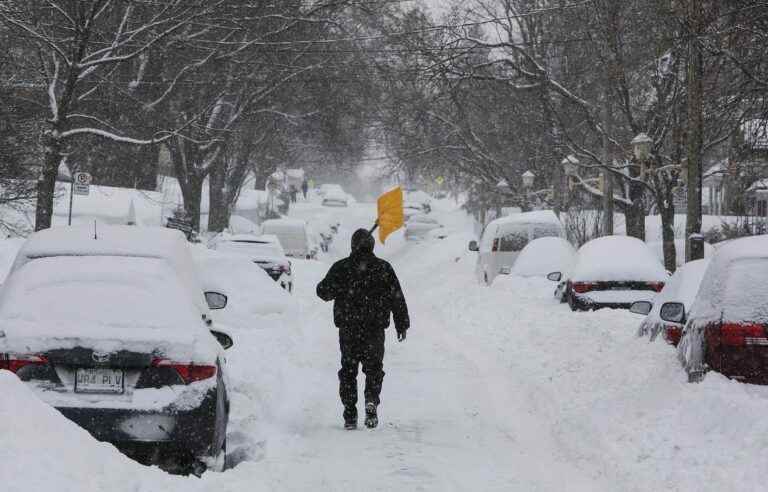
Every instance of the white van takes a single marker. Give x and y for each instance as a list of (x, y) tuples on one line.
[(294, 236), (504, 238)]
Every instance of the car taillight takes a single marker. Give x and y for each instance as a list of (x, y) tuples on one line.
[(657, 286), (15, 362), (188, 372), (582, 287), (495, 245), (737, 334)]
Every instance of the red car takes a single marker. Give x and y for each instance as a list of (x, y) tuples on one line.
[(727, 328)]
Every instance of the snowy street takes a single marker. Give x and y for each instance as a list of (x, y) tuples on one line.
[(496, 388)]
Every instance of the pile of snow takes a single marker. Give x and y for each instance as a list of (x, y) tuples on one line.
[(41, 450), (543, 256), (617, 258)]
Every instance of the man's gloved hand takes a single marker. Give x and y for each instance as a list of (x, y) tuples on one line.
[(401, 336)]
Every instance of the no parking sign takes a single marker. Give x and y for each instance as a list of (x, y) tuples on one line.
[(82, 183)]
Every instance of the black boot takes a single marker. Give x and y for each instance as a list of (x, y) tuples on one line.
[(350, 418), (371, 419)]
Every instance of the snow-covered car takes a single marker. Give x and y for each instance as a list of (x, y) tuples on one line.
[(612, 272), (335, 198), (658, 248), (726, 329), (105, 328), (682, 287), (293, 234), (543, 256), (503, 239), (419, 226), (326, 188), (251, 293), (265, 251)]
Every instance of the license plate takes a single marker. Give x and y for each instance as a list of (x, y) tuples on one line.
[(98, 380)]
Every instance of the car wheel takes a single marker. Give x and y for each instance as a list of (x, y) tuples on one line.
[(290, 287), (485, 278), (572, 302), (218, 463)]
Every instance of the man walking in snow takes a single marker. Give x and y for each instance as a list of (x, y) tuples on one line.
[(365, 290)]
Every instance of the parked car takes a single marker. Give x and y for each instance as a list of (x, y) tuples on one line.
[(543, 256), (682, 287), (329, 188), (265, 251), (251, 293), (419, 226), (112, 329), (335, 198), (504, 238), (726, 327), (294, 236), (612, 272)]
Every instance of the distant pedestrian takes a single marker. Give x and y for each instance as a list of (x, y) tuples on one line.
[(305, 188), (294, 193), (365, 290)]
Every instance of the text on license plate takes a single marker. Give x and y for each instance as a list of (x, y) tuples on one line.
[(98, 380)]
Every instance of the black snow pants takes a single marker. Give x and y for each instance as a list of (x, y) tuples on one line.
[(360, 345)]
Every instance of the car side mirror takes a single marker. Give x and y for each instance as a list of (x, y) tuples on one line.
[(473, 246), (505, 270), (673, 312), (216, 300), (555, 276), (223, 339), (641, 307)]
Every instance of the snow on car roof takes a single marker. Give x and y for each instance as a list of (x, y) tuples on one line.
[(418, 196), (617, 258), (110, 300), (543, 256), (112, 240), (537, 216), (283, 224), (733, 287)]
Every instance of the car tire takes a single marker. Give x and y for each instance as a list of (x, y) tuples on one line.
[(290, 287), (572, 303), (218, 463)]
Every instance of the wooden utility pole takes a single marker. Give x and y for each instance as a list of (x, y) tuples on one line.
[(607, 161), (694, 249)]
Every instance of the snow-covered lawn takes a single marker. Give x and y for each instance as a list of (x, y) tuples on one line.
[(497, 388)]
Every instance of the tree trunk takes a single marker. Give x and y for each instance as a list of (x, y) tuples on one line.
[(635, 214), (192, 193), (694, 249), (219, 209), (46, 184)]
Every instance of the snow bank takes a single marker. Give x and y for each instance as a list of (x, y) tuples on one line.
[(617, 258), (41, 450)]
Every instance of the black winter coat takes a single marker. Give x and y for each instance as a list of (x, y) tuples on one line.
[(365, 290)]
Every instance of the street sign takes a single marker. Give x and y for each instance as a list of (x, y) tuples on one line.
[(440, 180), (81, 183)]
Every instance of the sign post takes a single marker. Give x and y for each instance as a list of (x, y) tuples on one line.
[(80, 185)]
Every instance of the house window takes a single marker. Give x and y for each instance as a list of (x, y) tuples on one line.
[(762, 208)]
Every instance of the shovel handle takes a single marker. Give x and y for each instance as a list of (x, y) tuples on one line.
[(375, 226)]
